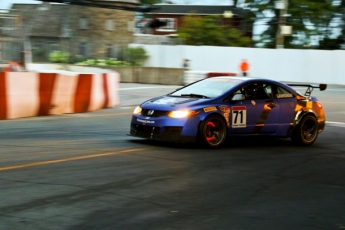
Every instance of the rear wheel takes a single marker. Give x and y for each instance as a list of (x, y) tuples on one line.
[(306, 132), (212, 132)]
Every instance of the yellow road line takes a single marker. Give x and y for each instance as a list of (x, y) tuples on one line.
[(69, 159)]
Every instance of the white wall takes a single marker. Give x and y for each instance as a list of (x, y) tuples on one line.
[(310, 66)]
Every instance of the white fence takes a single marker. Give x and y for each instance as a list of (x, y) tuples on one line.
[(290, 65)]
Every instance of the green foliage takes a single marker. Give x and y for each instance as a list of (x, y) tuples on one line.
[(39, 55), (134, 55), (150, 2), (309, 19), (77, 58), (129, 57), (103, 62), (332, 43), (208, 30), (59, 57)]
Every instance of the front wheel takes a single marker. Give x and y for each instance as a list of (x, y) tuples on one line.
[(212, 131), (306, 132)]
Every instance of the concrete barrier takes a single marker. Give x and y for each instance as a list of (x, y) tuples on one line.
[(192, 76), (128, 74), (26, 94), (150, 75)]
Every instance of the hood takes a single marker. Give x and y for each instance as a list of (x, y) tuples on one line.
[(170, 103)]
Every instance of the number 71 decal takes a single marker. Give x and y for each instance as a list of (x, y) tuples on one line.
[(239, 116)]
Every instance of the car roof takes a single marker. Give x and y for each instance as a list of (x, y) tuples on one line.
[(246, 79), (234, 77), (250, 79)]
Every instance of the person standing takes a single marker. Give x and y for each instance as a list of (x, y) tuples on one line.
[(244, 66), (185, 63)]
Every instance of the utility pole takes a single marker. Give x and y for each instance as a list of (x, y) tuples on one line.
[(282, 6)]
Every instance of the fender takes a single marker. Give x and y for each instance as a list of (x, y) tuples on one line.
[(216, 113), (302, 113), (297, 119)]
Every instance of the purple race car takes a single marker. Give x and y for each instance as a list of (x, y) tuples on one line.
[(212, 109)]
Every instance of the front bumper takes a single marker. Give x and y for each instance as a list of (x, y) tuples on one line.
[(173, 130), (167, 133)]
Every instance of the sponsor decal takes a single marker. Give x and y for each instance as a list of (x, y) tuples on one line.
[(145, 121), (239, 116), (224, 109), (284, 95), (226, 116), (209, 109)]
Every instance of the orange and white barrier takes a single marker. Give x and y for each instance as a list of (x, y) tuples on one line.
[(26, 94)]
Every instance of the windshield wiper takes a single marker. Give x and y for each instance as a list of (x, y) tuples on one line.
[(194, 95)]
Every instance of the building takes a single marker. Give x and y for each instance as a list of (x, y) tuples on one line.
[(172, 17), (10, 35), (83, 31)]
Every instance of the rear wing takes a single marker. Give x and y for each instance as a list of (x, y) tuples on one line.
[(310, 88)]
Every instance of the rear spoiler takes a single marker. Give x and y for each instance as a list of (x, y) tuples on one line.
[(310, 88)]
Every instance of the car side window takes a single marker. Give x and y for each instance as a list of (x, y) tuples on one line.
[(238, 96), (283, 93), (268, 90), (257, 91)]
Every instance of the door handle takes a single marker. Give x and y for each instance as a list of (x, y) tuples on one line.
[(271, 105)]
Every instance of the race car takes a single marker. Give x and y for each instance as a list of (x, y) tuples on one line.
[(211, 110)]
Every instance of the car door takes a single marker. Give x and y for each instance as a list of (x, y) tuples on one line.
[(287, 102), (254, 111)]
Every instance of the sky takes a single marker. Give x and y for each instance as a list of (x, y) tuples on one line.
[(6, 4)]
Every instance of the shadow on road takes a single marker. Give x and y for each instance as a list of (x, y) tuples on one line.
[(234, 142)]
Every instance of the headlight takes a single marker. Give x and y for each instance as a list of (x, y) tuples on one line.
[(182, 113), (137, 110)]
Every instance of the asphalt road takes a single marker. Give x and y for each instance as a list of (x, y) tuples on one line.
[(81, 171)]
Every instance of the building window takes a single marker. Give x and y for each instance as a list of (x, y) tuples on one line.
[(53, 46), (109, 51), (171, 24), (83, 51), (109, 24), (83, 23)]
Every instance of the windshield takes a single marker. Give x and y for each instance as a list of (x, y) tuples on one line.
[(208, 88)]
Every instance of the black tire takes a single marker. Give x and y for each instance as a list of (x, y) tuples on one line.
[(212, 131), (306, 131)]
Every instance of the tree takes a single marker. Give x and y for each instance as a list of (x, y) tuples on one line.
[(58, 56), (312, 21), (133, 55), (208, 30), (150, 2)]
